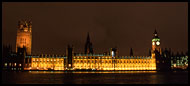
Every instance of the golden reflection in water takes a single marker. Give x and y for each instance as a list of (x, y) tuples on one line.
[(92, 71), (114, 71)]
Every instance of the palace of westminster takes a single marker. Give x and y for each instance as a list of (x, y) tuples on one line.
[(22, 59)]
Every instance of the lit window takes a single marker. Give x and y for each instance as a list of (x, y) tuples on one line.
[(15, 64), (5, 64), (157, 61), (9, 64), (112, 53), (174, 65), (20, 65)]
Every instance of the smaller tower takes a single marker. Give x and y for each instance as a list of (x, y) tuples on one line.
[(69, 54), (131, 52), (113, 52), (88, 46), (149, 52)]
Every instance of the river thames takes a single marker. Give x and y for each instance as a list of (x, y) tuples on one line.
[(94, 77)]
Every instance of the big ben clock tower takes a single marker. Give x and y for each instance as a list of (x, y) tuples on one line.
[(155, 43)]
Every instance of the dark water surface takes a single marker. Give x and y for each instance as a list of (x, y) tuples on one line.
[(95, 77)]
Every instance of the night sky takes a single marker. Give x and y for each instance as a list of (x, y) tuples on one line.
[(124, 25)]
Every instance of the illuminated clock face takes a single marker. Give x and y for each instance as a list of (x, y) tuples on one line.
[(153, 43), (157, 43)]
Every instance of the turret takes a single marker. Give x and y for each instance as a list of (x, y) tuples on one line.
[(88, 46)]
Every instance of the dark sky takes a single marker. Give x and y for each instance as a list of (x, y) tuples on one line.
[(125, 25)]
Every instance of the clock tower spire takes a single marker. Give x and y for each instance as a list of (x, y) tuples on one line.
[(156, 42), (88, 46)]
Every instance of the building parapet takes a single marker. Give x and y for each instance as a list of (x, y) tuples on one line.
[(90, 55), (48, 56), (134, 57)]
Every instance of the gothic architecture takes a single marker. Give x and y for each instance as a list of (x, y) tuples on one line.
[(24, 60), (88, 46), (24, 36)]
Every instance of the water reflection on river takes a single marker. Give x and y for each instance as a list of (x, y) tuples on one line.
[(95, 77)]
